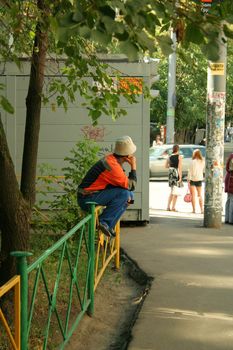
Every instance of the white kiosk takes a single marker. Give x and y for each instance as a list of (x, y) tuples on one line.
[(60, 130)]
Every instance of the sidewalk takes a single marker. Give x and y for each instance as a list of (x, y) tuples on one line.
[(190, 304)]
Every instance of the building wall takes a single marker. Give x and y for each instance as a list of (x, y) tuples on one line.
[(60, 130)]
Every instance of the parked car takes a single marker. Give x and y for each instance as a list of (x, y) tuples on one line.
[(159, 154)]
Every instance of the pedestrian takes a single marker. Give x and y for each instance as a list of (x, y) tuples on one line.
[(107, 184), (202, 142), (195, 178), (229, 190), (231, 133), (174, 164), (226, 135), (157, 141)]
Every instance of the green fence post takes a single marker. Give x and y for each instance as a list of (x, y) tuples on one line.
[(91, 240), (21, 263)]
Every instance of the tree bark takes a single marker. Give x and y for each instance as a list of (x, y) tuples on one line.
[(16, 204), (14, 212), (33, 103), (216, 100)]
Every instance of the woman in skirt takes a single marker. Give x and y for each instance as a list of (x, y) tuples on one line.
[(174, 164)]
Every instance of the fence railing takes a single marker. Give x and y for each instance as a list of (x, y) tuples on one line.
[(106, 250), (53, 304), (13, 335)]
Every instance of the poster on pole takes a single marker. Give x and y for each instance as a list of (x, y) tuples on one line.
[(217, 68)]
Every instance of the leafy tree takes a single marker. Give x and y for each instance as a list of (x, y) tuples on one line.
[(63, 207), (191, 74), (191, 85), (40, 29)]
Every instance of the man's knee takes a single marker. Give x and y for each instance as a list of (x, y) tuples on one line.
[(85, 207), (125, 194)]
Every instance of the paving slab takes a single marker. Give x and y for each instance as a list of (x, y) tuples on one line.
[(190, 303)]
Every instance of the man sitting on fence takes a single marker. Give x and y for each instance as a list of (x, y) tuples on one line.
[(106, 184)]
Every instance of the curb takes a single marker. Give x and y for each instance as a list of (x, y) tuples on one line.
[(124, 335)]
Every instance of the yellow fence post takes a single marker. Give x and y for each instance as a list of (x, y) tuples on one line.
[(107, 248), (117, 245), (13, 283), (17, 315)]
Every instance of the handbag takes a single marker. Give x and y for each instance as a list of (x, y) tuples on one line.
[(188, 197)]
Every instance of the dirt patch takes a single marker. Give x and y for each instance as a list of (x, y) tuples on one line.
[(118, 300)]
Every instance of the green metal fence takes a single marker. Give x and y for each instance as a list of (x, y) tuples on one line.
[(60, 298)]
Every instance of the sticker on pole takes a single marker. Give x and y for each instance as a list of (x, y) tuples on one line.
[(171, 112), (216, 68)]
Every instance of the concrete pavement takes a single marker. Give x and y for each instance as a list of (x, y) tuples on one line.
[(190, 304)]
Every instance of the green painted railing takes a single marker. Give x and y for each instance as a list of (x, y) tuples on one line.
[(77, 244)]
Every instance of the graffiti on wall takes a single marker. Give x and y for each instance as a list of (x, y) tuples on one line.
[(98, 134), (95, 133)]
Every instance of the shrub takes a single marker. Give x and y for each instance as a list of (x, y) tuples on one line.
[(59, 193)]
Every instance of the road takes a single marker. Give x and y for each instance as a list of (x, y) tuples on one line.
[(159, 192)]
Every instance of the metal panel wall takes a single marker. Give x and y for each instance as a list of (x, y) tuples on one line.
[(60, 130)]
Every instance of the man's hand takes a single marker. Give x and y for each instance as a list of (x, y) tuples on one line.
[(132, 161)]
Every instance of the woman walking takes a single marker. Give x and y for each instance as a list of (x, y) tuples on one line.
[(174, 163), (195, 178), (229, 190)]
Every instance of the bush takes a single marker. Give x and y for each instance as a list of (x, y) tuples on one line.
[(64, 212)]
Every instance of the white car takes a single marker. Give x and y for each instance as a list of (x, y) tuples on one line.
[(159, 154)]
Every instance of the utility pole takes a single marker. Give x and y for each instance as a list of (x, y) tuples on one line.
[(171, 96), (216, 96)]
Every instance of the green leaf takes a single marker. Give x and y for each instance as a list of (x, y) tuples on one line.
[(230, 18), (146, 42), (66, 20), (31, 34), (165, 43), (165, 27), (95, 114), (193, 34), (77, 16), (123, 112), (100, 37), (120, 28), (63, 34), (84, 32), (6, 105), (122, 36), (160, 10), (211, 50), (130, 49), (152, 20), (107, 11), (227, 31), (109, 24)]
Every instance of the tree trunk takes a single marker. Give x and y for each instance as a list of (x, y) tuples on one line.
[(16, 205), (216, 100), (180, 137), (32, 128), (14, 212)]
